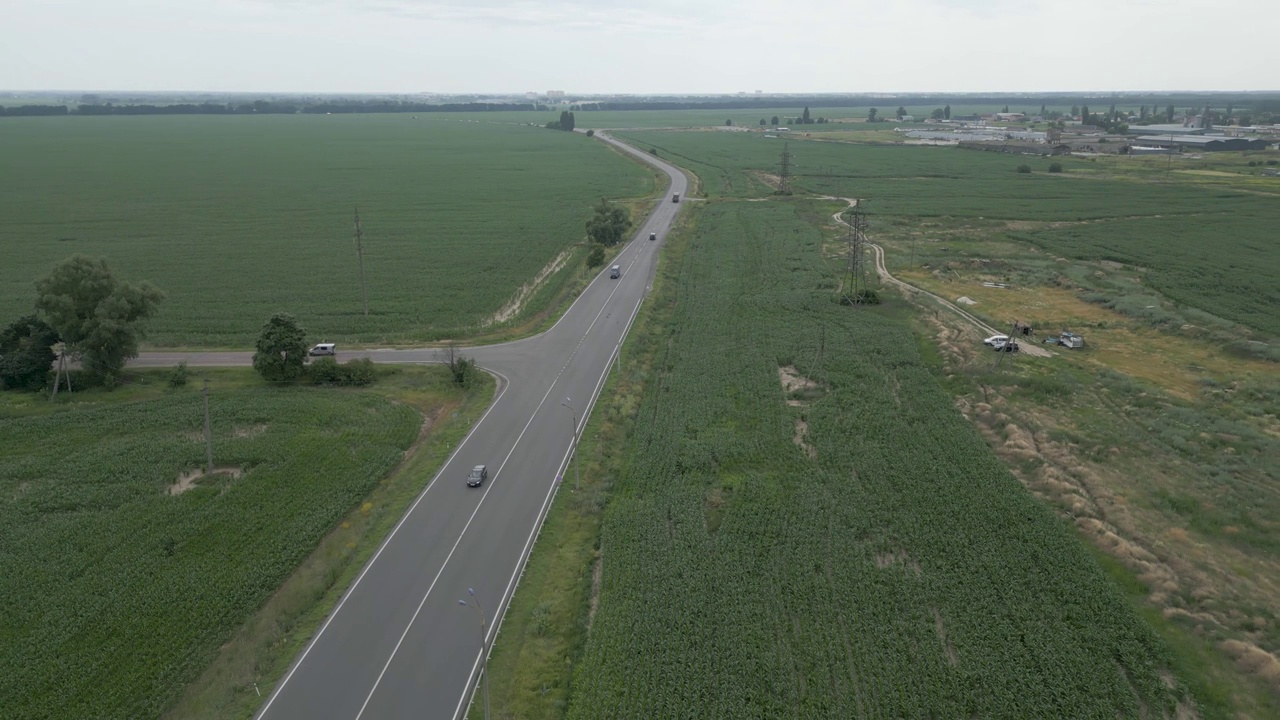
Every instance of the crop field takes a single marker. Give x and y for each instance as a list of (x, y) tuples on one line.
[(1211, 248), (117, 588), (239, 217), (805, 525)]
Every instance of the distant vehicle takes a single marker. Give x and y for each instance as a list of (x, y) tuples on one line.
[(1070, 340), (653, 236), (1006, 346), (996, 339), (323, 349), (615, 272), (478, 475), (675, 198)]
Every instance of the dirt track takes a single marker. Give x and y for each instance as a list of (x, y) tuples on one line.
[(1027, 348)]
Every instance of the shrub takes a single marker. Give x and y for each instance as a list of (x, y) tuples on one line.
[(324, 371), (355, 373), (1055, 167), (591, 133), (1024, 169), (179, 375), (1271, 162), (653, 152), (595, 258), (359, 372), (1253, 163)]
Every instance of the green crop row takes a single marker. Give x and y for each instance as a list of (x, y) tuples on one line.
[(898, 571), (117, 592), (236, 218)]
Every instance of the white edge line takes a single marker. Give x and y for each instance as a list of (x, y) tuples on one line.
[(480, 504), (316, 638), (514, 584)]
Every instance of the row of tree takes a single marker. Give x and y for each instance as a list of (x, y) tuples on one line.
[(566, 122), (264, 107)]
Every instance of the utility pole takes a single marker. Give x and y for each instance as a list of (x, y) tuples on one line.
[(484, 645), (61, 371), (822, 347), (364, 293), (784, 171), (208, 433), (1013, 334)]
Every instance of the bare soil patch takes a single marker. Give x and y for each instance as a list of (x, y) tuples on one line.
[(801, 438), (516, 303), (188, 480)]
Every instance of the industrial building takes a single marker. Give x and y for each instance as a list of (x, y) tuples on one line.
[(1204, 143)]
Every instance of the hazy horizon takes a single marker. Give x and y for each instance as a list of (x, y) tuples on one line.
[(649, 47)]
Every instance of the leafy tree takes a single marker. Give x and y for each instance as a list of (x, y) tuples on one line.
[(1168, 113), (774, 121), (26, 353), (804, 117), (901, 111), (1024, 169), (762, 122), (98, 317), (728, 123), (281, 348), (946, 112), (595, 258), (1142, 113), (1043, 110), (871, 115), (609, 225), (591, 133), (1055, 167), (936, 114), (553, 124), (1084, 114)]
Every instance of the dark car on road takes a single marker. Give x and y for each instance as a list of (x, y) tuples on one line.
[(477, 476)]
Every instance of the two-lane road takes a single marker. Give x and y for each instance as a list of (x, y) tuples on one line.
[(398, 645)]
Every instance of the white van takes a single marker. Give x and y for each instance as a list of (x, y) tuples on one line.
[(324, 349), (615, 272)]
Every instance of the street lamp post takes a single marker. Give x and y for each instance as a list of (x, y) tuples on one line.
[(484, 649), (575, 443)]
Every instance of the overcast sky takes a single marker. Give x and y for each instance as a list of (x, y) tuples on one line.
[(639, 46)]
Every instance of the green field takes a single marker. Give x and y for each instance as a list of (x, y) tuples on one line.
[(896, 569), (1206, 247), (116, 592), (239, 217)]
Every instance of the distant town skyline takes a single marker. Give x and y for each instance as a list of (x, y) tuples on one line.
[(587, 47)]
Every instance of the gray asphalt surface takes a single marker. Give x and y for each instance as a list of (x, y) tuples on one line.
[(398, 645)]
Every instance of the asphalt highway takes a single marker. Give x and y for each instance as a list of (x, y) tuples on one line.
[(398, 644)]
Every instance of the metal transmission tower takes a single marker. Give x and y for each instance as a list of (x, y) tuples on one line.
[(857, 241), (364, 293), (784, 171)]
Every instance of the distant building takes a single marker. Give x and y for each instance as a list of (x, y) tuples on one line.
[(555, 94), (1206, 143), (1166, 129), (1009, 117)]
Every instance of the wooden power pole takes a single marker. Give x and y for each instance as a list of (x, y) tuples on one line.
[(364, 292), (208, 433)]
